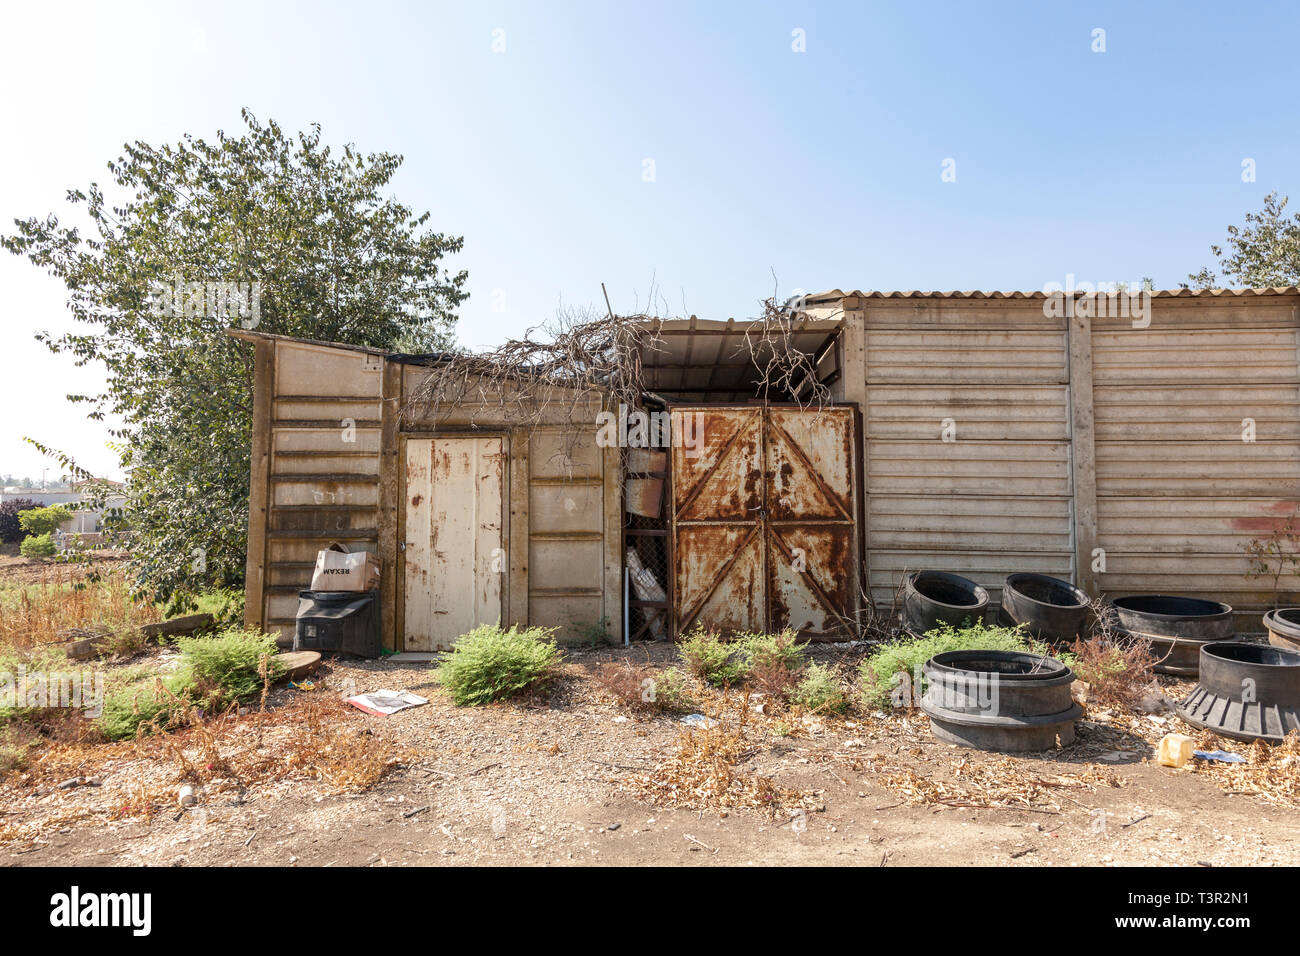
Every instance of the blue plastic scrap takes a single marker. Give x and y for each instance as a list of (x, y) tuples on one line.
[(699, 720), (1220, 756)]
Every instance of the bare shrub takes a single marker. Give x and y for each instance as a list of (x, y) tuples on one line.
[(775, 678), (643, 689), (1116, 666)]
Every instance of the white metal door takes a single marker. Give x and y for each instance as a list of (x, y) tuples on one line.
[(454, 556)]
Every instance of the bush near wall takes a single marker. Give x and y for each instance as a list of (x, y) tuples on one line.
[(11, 530)]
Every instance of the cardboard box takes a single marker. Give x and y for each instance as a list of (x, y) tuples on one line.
[(338, 569)]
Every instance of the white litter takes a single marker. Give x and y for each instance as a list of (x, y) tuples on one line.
[(385, 703)]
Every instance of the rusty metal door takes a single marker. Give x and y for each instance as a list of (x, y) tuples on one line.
[(764, 519)]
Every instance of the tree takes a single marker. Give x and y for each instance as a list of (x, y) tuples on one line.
[(10, 528), (39, 521), (260, 230), (1264, 253)]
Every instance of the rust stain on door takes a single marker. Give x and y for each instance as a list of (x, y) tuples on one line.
[(764, 521)]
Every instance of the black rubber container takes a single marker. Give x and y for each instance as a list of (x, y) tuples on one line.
[(1283, 625), (338, 622), (1246, 691), (936, 597), (1000, 700), (1177, 627), (1051, 610)]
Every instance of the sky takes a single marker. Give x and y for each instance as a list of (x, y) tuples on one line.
[(715, 153)]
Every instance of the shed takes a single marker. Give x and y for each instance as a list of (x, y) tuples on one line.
[(979, 433), (480, 514), (476, 519)]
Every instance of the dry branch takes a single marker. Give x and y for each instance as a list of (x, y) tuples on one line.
[(558, 372)]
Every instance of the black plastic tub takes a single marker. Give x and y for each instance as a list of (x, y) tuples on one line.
[(1283, 625), (1050, 609), (1007, 701), (338, 622), (931, 598), (1246, 692), (1177, 627)]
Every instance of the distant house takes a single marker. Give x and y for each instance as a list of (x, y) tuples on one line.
[(84, 520)]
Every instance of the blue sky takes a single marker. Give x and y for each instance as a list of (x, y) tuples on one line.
[(822, 166)]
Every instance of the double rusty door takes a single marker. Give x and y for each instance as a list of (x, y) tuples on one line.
[(764, 519)]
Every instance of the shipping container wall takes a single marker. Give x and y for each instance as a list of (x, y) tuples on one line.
[(1197, 447), (967, 450), (1129, 456)]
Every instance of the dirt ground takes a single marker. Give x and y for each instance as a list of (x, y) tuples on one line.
[(18, 570), (553, 779)]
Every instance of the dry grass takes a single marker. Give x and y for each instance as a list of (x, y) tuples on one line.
[(66, 598), (1006, 783), (227, 754), (628, 683), (703, 773), (318, 741), (775, 678), (348, 759), (1271, 771)]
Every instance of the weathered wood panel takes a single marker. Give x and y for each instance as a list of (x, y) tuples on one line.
[(968, 439), (328, 441), (569, 526), (255, 610), (324, 451), (1195, 412), (303, 368), (959, 467), (1194, 357), (455, 557)]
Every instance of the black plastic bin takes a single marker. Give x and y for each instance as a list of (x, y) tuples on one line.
[(338, 622)]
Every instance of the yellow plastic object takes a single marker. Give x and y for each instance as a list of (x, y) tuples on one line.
[(1174, 750)]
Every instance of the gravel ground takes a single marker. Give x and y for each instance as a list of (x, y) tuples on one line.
[(554, 779)]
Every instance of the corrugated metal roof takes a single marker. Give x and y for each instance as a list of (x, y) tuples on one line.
[(709, 360), (836, 294)]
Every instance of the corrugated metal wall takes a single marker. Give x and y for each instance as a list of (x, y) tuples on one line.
[(1155, 423), (967, 442), (1179, 492)]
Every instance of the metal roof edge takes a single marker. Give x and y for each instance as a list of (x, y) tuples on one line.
[(248, 335), (836, 294)]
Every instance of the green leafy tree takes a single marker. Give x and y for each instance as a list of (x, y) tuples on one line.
[(45, 520), (261, 230), (1264, 253), (11, 529)]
